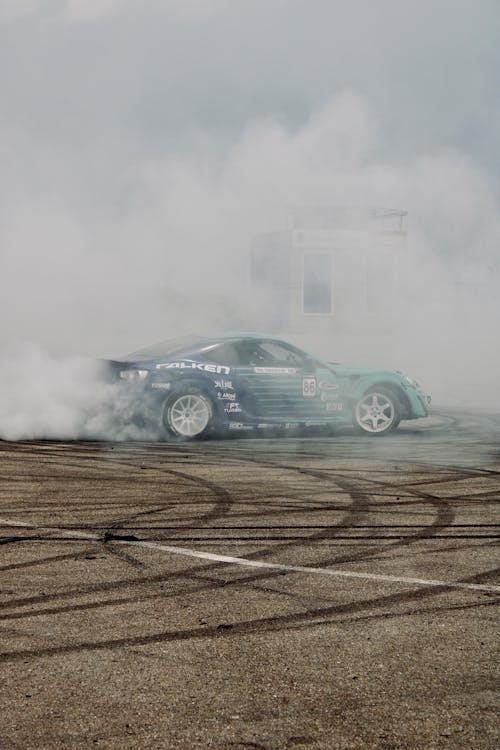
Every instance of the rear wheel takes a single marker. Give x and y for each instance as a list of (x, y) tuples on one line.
[(188, 414), (377, 412)]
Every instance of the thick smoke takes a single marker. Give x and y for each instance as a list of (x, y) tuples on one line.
[(68, 398), (110, 241)]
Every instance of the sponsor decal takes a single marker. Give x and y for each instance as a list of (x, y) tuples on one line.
[(165, 386), (308, 387), (275, 370), (219, 369), (223, 383), (334, 406), (326, 386), (239, 426), (329, 396), (232, 408), (226, 396)]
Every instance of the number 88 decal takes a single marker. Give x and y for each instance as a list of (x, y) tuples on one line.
[(308, 387)]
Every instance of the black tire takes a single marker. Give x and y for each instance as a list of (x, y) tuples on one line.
[(377, 412), (188, 413)]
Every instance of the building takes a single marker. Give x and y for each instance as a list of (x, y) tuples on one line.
[(333, 270)]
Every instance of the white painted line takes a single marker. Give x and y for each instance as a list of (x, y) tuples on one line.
[(303, 569), (244, 562)]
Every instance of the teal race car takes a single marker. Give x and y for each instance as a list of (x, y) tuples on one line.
[(202, 385)]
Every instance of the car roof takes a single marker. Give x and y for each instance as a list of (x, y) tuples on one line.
[(235, 336), (193, 343)]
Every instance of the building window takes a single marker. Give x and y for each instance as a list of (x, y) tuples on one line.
[(317, 292)]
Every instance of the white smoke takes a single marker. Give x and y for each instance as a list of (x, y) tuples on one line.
[(42, 396), (90, 10), (112, 238), (93, 11), (10, 10)]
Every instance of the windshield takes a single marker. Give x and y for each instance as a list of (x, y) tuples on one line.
[(166, 348)]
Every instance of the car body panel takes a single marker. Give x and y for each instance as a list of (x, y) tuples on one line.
[(357, 380)]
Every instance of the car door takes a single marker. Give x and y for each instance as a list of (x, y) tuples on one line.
[(281, 380)]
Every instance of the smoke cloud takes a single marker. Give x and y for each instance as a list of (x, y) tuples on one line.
[(42, 396), (132, 185)]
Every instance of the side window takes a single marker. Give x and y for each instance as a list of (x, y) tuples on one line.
[(251, 354), (221, 354), (269, 354), (282, 355)]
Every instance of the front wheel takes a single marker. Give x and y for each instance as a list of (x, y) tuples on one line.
[(188, 414), (377, 412)]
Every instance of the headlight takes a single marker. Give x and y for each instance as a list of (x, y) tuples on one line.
[(133, 375)]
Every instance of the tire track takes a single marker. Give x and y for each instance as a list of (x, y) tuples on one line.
[(358, 504), (267, 624)]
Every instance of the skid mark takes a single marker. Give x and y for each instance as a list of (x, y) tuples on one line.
[(258, 625), (245, 562)]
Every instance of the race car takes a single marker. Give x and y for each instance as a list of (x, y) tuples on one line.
[(204, 385)]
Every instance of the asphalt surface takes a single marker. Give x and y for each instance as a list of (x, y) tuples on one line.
[(290, 593)]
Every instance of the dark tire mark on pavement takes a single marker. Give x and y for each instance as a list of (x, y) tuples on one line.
[(224, 501), (256, 625)]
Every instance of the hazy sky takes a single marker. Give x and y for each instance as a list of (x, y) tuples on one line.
[(140, 137), (151, 74)]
